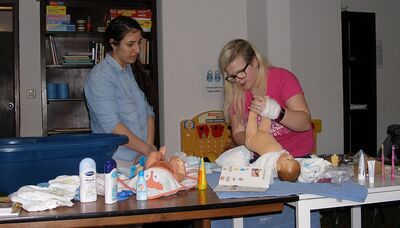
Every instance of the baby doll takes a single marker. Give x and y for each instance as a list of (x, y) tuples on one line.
[(262, 142), (175, 165)]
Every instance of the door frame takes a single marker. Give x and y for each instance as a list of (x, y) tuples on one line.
[(15, 25), (16, 67)]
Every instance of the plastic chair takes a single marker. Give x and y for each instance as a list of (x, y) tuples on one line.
[(317, 128)]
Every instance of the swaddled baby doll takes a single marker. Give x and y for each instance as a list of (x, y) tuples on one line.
[(261, 141)]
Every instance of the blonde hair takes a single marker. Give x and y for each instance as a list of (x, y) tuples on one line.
[(234, 95)]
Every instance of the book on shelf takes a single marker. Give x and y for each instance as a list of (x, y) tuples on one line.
[(142, 16), (77, 58), (57, 18), (98, 52), (56, 10), (53, 51), (144, 55)]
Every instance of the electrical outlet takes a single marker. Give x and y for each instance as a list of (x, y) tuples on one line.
[(30, 93)]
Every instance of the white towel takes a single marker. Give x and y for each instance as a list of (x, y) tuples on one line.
[(59, 193)]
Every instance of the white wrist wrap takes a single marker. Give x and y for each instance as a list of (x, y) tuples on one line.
[(272, 109)]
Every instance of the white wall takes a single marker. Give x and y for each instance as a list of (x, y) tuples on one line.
[(30, 76), (387, 18), (193, 32), (305, 37), (316, 59)]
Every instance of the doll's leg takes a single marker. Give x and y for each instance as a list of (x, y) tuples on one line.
[(178, 168), (155, 156), (265, 124), (251, 128), (163, 151)]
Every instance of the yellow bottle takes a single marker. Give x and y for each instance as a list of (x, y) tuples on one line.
[(335, 160), (201, 178)]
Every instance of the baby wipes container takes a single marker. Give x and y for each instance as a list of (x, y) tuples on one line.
[(87, 174)]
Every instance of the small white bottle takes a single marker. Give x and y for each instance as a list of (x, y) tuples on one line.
[(110, 181), (361, 166), (87, 174), (141, 187)]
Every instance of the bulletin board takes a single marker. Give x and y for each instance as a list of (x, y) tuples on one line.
[(205, 135)]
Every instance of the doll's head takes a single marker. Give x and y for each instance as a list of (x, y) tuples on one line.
[(288, 169)]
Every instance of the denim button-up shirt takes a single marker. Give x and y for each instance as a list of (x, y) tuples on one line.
[(113, 96)]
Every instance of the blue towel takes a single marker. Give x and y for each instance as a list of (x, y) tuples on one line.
[(349, 190)]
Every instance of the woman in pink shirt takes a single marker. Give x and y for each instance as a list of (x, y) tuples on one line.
[(253, 84)]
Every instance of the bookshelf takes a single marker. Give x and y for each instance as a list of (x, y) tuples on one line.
[(69, 49)]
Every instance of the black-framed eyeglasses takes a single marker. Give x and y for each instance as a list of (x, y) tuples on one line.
[(239, 75)]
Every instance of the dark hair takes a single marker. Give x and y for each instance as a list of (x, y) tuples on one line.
[(117, 30)]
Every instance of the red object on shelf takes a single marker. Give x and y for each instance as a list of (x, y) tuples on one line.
[(88, 25)]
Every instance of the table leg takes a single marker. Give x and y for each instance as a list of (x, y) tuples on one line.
[(303, 215), (238, 222), (356, 217), (202, 223)]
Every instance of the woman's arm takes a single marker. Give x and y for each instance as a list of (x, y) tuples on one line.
[(297, 116), (238, 130), (135, 143), (151, 129)]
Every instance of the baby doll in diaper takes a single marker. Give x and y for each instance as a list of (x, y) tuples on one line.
[(162, 177), (175, 165), (261, 141)]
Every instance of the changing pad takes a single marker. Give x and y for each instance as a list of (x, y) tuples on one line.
[(349, 190)]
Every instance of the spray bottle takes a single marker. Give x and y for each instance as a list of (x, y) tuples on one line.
[(87, 175), (361, 166), (110, 181)]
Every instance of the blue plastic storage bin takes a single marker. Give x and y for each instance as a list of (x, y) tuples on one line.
[(31, 160)]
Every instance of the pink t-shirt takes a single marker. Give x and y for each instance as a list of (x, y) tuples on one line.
[(282, 85)]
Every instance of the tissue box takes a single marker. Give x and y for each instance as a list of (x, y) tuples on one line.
[(31, 160)]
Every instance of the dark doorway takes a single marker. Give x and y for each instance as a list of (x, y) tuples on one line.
[(9, 124), (359, 82)]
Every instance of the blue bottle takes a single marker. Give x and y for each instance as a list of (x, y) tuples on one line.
[(110, 181), (141, 187)]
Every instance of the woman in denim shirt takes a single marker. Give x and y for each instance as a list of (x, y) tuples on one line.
[(119, 95)]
